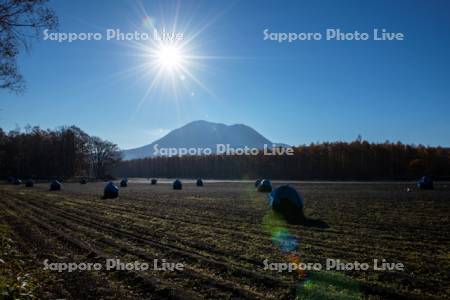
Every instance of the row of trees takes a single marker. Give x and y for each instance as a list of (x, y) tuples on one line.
[(62, 153), (68, 151), (358, 160)]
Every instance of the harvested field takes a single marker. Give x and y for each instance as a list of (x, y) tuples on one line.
[(218, 233)]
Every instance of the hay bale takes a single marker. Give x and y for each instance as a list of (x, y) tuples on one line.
[(265, 186), (177, 185), (154, 181), (111, 191), (83, 181), (29, 183), (17, 181), (124, 182), (286, 201), (257, 183), (425, 183), (55, 185), (199, 182)]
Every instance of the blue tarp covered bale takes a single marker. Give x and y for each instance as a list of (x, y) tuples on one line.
[(286, 201), (29, 183), (177, 185), (55, 185), (425, 183), (265, 186), (111, 191), (154, 181), (257, 183), (199, 182), (124, 182)]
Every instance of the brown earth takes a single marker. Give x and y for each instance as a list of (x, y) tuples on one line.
[(218, 233)]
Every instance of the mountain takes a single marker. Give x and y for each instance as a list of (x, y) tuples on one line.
[(201, 134)]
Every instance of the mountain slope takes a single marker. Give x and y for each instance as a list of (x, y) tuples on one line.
[(203, 134)]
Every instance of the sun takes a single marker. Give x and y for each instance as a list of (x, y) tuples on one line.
[(170, 61), (169, 57)]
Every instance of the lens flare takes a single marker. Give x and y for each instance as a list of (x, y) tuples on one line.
[(285, 241), (277, 227), (311, 285), (148, 22)]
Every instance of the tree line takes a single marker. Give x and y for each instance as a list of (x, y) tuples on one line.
[(61, 153), (358, 160), (68, 152)]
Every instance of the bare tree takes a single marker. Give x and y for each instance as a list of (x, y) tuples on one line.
[(20, 21), (104, 156)]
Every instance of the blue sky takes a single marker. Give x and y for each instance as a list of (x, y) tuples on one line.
[(296, 93)]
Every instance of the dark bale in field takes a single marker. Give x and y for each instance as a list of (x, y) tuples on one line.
[(11, 179), (425, 183), (177, 185), (124, 182), (257, 183), (83, 181), (265, 186), (154, 181), (55, 185), (199, 182), (17, 181), (111, 191), (286, 201), (29, 183)]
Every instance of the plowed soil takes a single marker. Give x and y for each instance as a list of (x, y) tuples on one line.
[(217, 232)]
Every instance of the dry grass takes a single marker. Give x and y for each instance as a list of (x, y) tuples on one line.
[(217, 231)]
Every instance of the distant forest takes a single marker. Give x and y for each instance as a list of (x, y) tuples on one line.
[(55, 154), (68, 152), (358, 160)]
